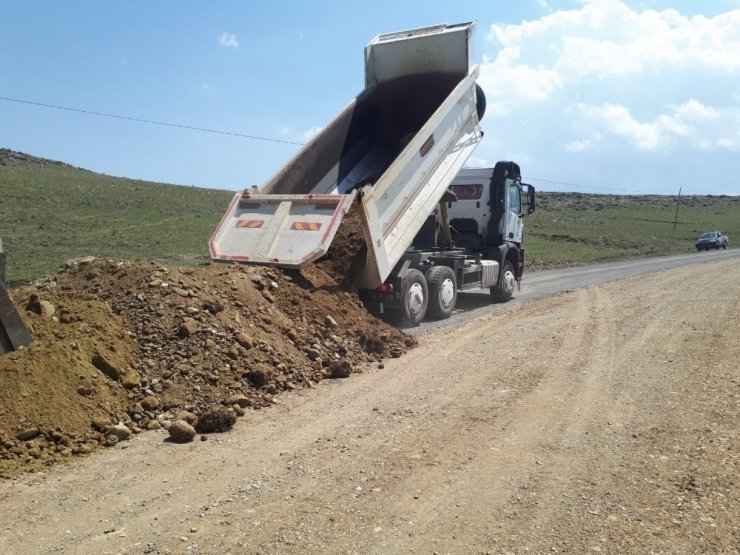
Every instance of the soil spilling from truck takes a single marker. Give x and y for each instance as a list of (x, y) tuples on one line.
[(122, 347), (347, 255)]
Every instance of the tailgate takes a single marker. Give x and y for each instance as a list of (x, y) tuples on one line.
[(289, 231)]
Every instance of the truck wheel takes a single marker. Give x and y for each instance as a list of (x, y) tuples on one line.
[(442, 286), (480, 101), (414, 297), (504, 288)]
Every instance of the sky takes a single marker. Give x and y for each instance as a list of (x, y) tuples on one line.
[(593, 96)]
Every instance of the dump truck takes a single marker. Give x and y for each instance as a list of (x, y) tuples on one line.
[(395, 149)]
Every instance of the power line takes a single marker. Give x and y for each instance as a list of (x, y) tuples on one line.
[(152, 122)]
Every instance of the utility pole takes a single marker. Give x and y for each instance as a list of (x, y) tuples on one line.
[(678, 201)]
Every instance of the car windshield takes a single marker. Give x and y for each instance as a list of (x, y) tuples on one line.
[(707, 235)]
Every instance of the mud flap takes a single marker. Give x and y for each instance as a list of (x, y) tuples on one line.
[(13, 332)]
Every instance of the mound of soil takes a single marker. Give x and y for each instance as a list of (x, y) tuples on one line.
[(134, 346)]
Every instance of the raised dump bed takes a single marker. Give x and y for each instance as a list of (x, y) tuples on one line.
[(399, 143)]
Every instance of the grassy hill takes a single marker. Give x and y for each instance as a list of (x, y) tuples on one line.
[(50, 212), (580, 228)]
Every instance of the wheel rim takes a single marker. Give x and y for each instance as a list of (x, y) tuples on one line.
[(508, 282), (416, 298), (447, 293)]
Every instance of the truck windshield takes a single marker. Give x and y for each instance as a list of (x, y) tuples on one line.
[(707, 236)]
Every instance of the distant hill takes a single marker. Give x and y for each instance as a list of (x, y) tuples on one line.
[(51, 211)]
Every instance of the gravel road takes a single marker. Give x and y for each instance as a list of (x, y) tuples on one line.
[(601, 420), (546, 283)]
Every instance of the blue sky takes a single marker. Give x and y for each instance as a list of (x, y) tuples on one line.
[(608, 96)]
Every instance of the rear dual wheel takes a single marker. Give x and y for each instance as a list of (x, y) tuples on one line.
[(434, 292), (442, 285), (414, 298)]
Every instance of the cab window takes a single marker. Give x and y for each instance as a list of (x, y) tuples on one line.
[(515, 199), (467, 192)]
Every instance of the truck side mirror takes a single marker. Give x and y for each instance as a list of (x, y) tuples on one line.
[(530, 197)]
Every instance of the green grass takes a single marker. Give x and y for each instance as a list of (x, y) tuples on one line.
[(572, 228), (51, 212)]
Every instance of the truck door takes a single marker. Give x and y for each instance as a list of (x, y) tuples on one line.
[(513, 219)]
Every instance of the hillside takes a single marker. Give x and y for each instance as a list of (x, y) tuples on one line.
[(51, 211)]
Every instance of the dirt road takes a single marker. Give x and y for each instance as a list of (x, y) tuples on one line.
[(602, 420)]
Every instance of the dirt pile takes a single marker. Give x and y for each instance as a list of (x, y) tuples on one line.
[(134, 346)]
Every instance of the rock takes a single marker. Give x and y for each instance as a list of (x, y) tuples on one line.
[(105, 366), (36, 305), (28, 434), (181, 432), (150, 403), (237, 399), (330, 322), (131, 379), (260, 375), (273, 286), (65, 317), (210, 344), (269, 298), (85, 390), (396, 352), (340, 369), (188, 417), (181, 292), (101, 423), (121, 431), (188, 327), (153, 425), (313, 354), (155, 282), (244, 340), (215, 420), (293, 335), (214, 307)]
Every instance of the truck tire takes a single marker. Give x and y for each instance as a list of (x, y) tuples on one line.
[(504, 288), (442, 285), (480, 101), (414, 298)]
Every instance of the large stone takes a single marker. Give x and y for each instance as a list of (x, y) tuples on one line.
[(181, 432), (188, 327), (105, 366), (121, 431), (341, 369), (131, 379), (101, 423), (260, 375), (216, 420), (244, 340), (150, 403), (237, 399), (28, 434)]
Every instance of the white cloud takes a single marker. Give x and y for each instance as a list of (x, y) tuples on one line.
[(694, 124), (309, 134), (228, 40), (578, 146), (476, 162), (610, 94)]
